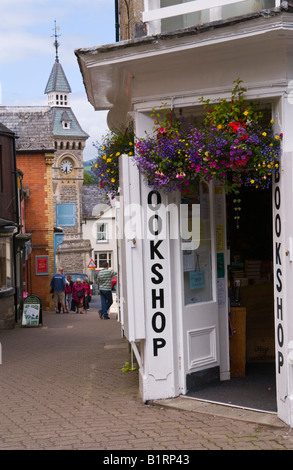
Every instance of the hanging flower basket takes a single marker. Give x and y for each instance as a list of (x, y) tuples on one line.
[(233, 146), (106, 166)]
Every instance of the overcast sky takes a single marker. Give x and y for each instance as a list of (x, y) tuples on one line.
[(27, 53)]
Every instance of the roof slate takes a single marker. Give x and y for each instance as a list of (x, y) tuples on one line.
[(32, 126), (92, 196), (57, 80), (74, 131)]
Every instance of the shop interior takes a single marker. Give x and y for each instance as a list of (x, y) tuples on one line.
[(251, 317)]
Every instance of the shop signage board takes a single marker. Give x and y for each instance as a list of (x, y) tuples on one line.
[(32, 311), (42, 265)]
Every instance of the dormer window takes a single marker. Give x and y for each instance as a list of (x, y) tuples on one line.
[(66, 121)]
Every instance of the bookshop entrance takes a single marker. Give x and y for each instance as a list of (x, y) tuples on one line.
[(251, 312), (251, 319)]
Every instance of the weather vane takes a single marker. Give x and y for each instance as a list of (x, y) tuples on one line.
[(56, 43)]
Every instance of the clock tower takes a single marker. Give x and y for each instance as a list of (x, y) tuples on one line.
[(74, 252)]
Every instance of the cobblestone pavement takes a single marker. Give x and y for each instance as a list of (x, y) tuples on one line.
[(62, 388)]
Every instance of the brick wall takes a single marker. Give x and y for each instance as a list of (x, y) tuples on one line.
[(39, 219)]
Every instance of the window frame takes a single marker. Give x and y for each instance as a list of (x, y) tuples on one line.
[(99, 262), (71, 218), (106, 232)]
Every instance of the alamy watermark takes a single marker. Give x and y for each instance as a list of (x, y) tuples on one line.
[(153, 221)]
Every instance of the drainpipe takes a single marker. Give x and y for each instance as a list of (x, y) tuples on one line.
[(16, 233), (117, 25)]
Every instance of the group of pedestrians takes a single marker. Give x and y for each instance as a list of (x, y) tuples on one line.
[(75, 296), (69, 295)]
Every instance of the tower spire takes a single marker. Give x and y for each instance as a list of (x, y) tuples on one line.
[(56, 43)]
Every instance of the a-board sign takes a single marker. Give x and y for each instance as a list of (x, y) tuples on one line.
[(32, 311)]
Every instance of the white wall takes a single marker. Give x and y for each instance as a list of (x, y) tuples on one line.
[(89, 230)]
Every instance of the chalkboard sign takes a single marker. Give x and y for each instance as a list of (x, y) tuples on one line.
[(32, 311)]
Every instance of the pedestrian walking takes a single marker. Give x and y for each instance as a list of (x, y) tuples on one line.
[(87, 297), (68, 293), (58, 282), (105, 286), (78, 294)]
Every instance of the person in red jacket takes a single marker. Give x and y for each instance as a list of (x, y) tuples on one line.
[(87, 297), (78, 294)]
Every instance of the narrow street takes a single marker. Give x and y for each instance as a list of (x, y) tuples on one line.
[(62, 388)]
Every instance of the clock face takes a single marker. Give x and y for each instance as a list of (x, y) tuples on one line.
[(66, 167)]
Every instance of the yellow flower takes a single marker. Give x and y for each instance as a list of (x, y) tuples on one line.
[(271, 145), (96, 165), (109, 160), (252, 181), (130, 153), (117, 154), (272, 121), (103, 148), (264, 134), (277, 137), (245, 113), (113, 180), (219, 126), (104, 157), (102, 174), (130, 143)]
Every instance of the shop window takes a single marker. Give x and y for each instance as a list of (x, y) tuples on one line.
[(196, 244), (244, 8), (182, 21), (5, 263)]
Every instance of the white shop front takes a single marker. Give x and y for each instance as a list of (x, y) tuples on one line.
[(174, 295)]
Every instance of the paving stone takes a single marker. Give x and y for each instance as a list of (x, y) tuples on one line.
[(62, 388)]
